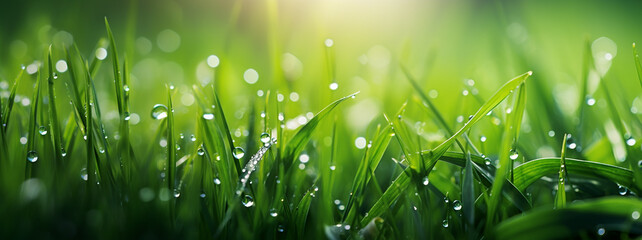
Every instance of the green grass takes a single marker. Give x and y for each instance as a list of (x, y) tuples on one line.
[(220, 160)]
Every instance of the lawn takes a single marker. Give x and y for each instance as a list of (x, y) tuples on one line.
[(354, 119)]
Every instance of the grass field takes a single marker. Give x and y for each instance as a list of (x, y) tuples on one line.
[(320, 119)]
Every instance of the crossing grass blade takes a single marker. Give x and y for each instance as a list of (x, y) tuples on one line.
[(295, 145), (400, 184), (531, 171), (6, 109), (506, 149), (592, 216)]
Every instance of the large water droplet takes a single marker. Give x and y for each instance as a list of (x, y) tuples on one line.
[(622, 190), (217, 181), (32, 156), (177, 193), (274, 212), (456, 205), (334, 86), (514, 155), (247, 201), (83, 174), (601, 231), (208, 116), (590, 101), (444, 223), (42, 130), (159, 111), (426, 181), (631, 141), (200, 151), (265, 137), (238, 153)]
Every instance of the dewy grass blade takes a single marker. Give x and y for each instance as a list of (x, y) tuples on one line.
[(301, 138), (560, 197), (506, 153), (171, 155), (54, 125), (638, 67), (401, 183), (6, 111), (31, 140)]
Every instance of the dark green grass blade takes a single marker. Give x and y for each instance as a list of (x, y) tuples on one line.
[(402, 182), (117, 80), (91, 165), (33, 118), (294, 147), (612, 213), (468, 193), (54, 125), (6, 110), (371, 161), (560, 196), (531, 171)]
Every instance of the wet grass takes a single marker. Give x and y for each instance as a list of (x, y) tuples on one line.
[(70, 172)]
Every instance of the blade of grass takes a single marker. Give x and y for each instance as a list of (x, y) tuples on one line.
[(560, 197), (31, 140), (6, 111), (611, 213), (294, 147), (171, 155), (638, 67), (401, 183), (509, 140), (54, 125)]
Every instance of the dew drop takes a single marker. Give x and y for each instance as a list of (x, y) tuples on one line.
[(425, 181), (177, 193), (444, 223), (335, 167), (42, 130), (200, 151), (238, 152), (514, 155), (265, 137), (601, 231), (590, 101), (622, 190), (274, 212), (631, 141), (202, 195), (456, 205), (159, 111), (208, 116), (32, 156), (635, 215), (334, 86), (247, 201), (83, 174), (217, 181), (280, 228), (482, 139)]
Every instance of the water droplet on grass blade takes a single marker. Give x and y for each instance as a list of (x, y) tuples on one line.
[(159, 111), (601, 231), (274, 212), (32, 156), (456, 205), (334, 86), (265, 137), (208, 116), (238, 152), (177, 193), (217, 181), (83, 174), (590, 101), (247, 201), (425, 181), (622, 190), (514, 155), (42, 130), (631, 141), (200, 151), (444, 223)]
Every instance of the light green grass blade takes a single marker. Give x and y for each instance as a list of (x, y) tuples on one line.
[(638, 67), (402, 181), (611, 213), (117, 80), (294, 147), (560, 196), (531, 171), (508, 143), (171, 154)]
